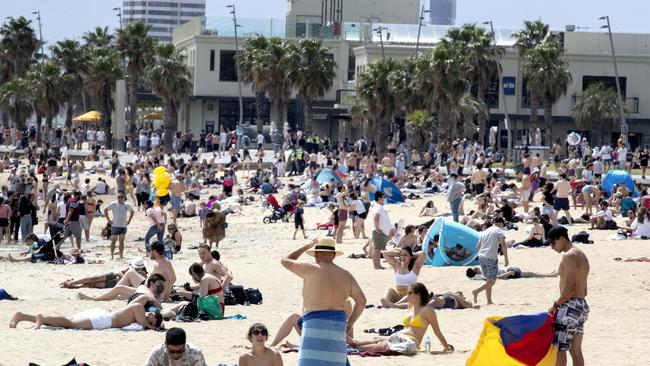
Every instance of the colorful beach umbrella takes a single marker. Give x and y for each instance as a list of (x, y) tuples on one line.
[(515, 341), (92, 116), (573, 138)]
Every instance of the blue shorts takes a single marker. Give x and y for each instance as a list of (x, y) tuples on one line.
[(176, 202), (561, 204), (116, 231)]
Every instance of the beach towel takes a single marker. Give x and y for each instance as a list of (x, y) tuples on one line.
[(323, 340)]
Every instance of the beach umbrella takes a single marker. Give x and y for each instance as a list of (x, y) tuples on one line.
[(152, 116), (92, 116), (573, 138)]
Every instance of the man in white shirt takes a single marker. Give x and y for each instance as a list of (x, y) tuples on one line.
[(382, 229), (155, 140), (90, 136), (488, 257), (100, 137), (260, 140), (600, 219), (222, 142), (143, 141)]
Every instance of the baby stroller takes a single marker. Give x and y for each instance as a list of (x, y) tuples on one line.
[(279, 212), (49, 251)]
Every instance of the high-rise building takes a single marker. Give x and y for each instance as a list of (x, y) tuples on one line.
[(163, 16), (442, 12)]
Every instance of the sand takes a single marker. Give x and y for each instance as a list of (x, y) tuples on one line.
[(616, 333)]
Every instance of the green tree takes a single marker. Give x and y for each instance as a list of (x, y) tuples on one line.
[(276, 63), (170, 79), (50, 89), (16, 101), (548, 77), (313, 73), (19, 43), (251, 67), (74, 60), (532, 35), (104, 70), (98, 38), (136, 47), (419, 125), (374, 88), (593, 106)]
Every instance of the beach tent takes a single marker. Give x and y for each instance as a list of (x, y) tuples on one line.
[(515, 340), (619, 177), (451, 233), (92, 116), (392, 193), (324, 177)]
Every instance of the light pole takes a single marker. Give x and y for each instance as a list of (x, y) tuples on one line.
[(417, 43), (621, 110), (241, 100), (380, 30), (40, 31), (497, 59), (119, 14)]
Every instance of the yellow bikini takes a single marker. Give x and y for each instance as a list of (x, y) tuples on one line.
[(414, 322)]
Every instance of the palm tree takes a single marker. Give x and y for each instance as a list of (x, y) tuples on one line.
[(15, 99), (548, 77), (276, 63), (373, 87), (19, 43), (313, 73), (5, 75), (70, 54), (170, 79), (137, 48), (468, 107), (533, 34), (98, 38), (50, 88), (104, 70), (593, 106), (252, 72)]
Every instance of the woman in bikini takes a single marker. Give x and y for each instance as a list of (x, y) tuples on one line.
[(246, 161), (207, 284), (91, 209), (451, 300), (536, 237), (407, 269), (129, 184), (342, 213), (429, 209), (419, 317)]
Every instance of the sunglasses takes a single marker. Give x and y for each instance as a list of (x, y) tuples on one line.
[(260, 332)]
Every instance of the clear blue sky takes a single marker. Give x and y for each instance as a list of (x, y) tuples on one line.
[(71, 18)]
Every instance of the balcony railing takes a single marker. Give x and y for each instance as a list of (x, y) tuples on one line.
[(631, 104), (345, 97)]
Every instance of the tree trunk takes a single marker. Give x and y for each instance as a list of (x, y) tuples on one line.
[(133, 107), (108, 122), (39, 123), (548, 119), (534, 105), (279, 114), (308, 106), (259, 101), (85, 100), (68, 115), (481, 119), (170, 124), (381, 134)]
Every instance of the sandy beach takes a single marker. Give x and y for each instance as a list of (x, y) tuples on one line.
[(616, 333)]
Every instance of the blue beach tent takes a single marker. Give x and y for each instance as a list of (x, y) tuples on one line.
[(619, 177), (450, 234), (392, 193), (324, 177)]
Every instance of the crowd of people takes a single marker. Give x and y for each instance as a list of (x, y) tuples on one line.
[(167, 189)]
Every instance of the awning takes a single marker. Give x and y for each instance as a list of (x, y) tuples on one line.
[(92, 116)]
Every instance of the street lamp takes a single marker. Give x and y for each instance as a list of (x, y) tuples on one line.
[(119, 14), (40, 31), (241, 100), (417, 43), (380, 30), (497, 59), (621, 111)]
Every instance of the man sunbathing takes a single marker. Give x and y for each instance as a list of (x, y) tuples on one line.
[(508, 273), (149, 294), (131, 276), (94, 319), (637, 259)]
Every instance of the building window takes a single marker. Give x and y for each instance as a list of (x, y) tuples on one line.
[(163, 12), (194, 6), (163, 4), (192, 14), (159, 29), (161, 21), (227, 67), (525, 96), (212, 54), (609, 82)]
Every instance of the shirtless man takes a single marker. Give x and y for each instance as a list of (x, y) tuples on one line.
[(524, 190), (163, 266), (526, 163), (212, 265), (176, 190), (148, 294), (94, 319), (562, 189), (570, 309), (479, 179), (326, 287)]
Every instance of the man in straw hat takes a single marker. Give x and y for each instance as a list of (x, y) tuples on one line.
[(326, 287)]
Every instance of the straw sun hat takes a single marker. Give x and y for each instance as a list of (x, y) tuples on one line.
[(326, 245)]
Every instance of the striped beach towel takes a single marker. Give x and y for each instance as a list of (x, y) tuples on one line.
[(323, 340)]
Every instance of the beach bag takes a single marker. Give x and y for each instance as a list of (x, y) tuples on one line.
[(253, 296), (210, 305), (238, 293), (228, 297), (581, 237)]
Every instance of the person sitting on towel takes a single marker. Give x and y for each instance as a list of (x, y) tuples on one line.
[(418, 318), (603, 219), (94, 319)]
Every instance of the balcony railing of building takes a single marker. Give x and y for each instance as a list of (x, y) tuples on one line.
[(350, 31), (631, 104), (345, 97)]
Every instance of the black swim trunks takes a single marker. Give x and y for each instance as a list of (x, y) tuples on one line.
[(111, 280), (569, 321)]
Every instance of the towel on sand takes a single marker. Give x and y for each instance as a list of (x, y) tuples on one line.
[(323, 340)]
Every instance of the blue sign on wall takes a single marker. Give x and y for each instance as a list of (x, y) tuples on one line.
[(509, 84)]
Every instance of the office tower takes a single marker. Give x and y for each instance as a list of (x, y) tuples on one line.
[(163, 16)]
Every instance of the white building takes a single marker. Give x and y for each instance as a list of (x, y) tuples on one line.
[(163, 16)]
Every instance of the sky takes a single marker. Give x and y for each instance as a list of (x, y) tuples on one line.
[(71, 18)]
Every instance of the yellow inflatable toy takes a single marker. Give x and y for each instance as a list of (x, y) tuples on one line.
[(161, 181)]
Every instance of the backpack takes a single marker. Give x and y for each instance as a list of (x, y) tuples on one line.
[(238, 293), (253, 296), (191, 310), (581, 237), (228, 297), (210, 305)]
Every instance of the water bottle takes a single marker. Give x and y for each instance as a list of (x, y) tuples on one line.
[(427, 344)]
